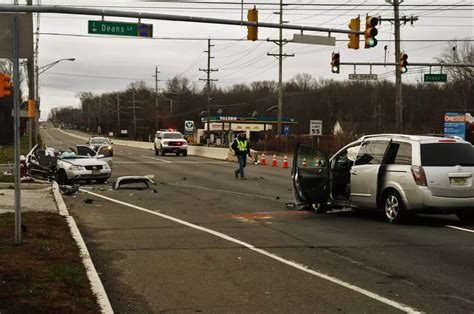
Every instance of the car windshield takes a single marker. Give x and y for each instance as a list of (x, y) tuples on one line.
[(173, 135), (447, 154), (103, 141)]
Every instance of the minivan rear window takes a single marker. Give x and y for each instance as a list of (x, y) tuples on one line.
[(447, 154)]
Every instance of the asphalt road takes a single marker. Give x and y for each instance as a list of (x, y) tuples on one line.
[(203, 241)]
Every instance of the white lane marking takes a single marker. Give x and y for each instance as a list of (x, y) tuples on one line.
[(154, 158), (459, 228), (301, 267)]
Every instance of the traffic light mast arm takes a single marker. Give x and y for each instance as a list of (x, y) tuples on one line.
[(61, 9)]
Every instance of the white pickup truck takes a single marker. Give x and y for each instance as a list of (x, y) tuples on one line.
[(170, 142)]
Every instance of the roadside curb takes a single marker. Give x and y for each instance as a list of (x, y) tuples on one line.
[(96, 283)]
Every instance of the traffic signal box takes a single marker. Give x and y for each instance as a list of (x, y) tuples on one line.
[(252, 31), (5, 85), (31, 108), (354, 25), (370, 31), (335, 62), (403, 62)]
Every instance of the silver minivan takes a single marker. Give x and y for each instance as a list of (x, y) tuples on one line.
[(400, 174)]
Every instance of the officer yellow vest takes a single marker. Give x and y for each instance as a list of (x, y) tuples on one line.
[(242, 145)]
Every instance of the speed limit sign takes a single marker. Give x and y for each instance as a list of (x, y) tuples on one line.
[(316, 127)]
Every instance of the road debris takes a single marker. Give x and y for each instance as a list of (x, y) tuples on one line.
[(134, 182), (88, 201)]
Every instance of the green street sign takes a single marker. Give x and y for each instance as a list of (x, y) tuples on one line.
[(120, 28), (436, 77)]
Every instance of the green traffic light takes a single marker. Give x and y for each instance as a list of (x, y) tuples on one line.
[(335, 69), (372, 42), (404, 70)]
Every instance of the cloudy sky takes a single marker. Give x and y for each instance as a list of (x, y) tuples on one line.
[(110, 63)]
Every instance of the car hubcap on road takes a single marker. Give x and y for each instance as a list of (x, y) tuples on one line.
[(391, 207)]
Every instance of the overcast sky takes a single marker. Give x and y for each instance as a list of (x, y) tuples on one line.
[(107, 63)]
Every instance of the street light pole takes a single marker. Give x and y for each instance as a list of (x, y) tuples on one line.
[(38, 71)]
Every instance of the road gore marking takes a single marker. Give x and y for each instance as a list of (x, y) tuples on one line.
[(459, 228), (298, 266)]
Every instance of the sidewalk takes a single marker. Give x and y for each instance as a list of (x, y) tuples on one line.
[(34, 198)]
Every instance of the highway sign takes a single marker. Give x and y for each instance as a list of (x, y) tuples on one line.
[(189, 126), (316, 127), (436, 77), (120, 28), (363, 77)]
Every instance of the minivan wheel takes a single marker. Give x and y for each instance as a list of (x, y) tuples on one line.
[(465, 215), (393, 207)]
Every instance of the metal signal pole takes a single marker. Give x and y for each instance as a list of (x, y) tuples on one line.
[(156, 97)]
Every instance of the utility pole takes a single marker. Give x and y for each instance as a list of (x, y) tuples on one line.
[(118, 115), (134, 113), (399, 123), (280, 56), (398, 73), (99, 128), (208, 87), (31, 93), (156, 97)]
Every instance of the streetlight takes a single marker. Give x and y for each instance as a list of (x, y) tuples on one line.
[(38, 71), (46, 67)]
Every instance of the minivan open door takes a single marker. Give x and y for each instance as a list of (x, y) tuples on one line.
[(310, 175)]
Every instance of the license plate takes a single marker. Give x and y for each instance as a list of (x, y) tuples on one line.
[(95, 172), (459, 181)]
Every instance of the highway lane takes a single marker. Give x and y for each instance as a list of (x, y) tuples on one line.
[(152, 264)]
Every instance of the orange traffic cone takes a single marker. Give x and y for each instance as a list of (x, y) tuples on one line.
[(285, 162), (274, 161), (263, 161), (304, 163)]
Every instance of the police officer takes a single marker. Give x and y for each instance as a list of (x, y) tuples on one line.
[(241, 148)]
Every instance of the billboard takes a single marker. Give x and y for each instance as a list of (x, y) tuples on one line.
[(455, 124)]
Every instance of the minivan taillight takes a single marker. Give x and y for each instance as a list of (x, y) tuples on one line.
[(419, 175)]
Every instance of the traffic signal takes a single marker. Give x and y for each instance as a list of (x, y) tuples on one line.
[(354, 25), (252, 31), (31, 108), (370, 31), (335, 62), (5, 85), (403, 62)]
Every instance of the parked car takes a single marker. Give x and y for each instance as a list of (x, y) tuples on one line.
[(170, 142), (400, 175), (96, 142)]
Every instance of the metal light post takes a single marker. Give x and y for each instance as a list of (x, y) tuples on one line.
[(38, 71)]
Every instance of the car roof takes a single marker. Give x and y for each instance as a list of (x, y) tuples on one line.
[(416, 138)]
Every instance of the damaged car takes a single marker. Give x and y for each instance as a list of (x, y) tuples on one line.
[(400, 175), (66, 167)]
